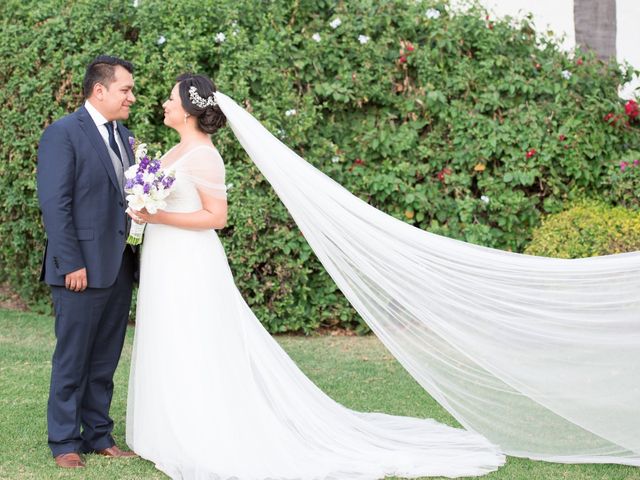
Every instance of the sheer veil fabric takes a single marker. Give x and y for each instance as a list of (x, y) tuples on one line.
[(539, 355), (212, 396)]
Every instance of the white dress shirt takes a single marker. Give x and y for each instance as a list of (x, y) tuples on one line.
[(118, 165), (100, 121)]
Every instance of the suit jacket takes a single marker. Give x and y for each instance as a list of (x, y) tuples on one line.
[(82, 205)]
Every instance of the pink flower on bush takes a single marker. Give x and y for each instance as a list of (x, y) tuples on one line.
[(442, 174), (624, 165), (531, 153), (631, 109), (358, 162), (406, 49)]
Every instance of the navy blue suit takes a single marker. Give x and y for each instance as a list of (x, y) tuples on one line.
[(83, 211)]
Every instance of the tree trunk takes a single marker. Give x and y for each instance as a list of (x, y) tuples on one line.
[(595, 24)]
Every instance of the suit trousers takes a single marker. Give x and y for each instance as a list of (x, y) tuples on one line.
[(90, 328)]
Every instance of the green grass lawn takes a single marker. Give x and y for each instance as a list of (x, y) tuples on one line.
[(356, 371)]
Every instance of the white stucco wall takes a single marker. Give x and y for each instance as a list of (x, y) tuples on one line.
[(628, 39)]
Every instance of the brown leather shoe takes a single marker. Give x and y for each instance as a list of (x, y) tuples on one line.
[(115, 452), (69, 460)]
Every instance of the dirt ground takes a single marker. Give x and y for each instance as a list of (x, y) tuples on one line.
[(10, 300)]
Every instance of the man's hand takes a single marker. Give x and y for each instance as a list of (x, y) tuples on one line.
[(76, 281)]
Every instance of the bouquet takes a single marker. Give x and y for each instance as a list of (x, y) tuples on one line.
[(147, 186)]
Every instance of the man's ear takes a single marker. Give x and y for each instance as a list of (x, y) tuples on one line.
[(98, 91)]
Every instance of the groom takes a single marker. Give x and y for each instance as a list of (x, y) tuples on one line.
[(81, 162)]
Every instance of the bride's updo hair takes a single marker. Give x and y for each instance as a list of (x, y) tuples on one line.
[(210, 117)]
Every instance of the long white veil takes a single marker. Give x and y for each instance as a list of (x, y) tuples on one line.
[(540, 355)]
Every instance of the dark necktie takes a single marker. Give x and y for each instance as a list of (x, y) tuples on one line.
[(112, 140)]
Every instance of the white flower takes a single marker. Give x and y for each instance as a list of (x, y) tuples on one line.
[(484, 198), (161, 40), (335, 159), (288, 113), (363, 39), (136, 3), (432, 13), (136, 201), (229, 186), (335, 23), (220, 37), (566, 74), (159, 194), (138, 189), (148, 177), (153, 206), (141, 151), (131, 172), (316, 37)]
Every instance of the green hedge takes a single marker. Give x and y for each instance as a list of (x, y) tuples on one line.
[(431, 120), (586, 230)]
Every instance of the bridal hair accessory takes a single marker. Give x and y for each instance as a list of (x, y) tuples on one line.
[(200, 102)]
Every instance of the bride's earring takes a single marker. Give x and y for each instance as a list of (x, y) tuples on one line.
[(186, 115)]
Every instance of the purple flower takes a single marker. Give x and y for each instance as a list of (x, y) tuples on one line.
[(129, 185), (168, 181), (147, 187), (623, 166), (139, 180), (132, 142), (154, 166)]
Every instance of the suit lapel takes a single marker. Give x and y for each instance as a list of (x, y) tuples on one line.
[(91, 130), (125, 142)]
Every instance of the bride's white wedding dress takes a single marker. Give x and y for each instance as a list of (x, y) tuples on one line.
[(213, 396)]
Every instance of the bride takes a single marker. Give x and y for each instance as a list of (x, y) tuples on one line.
[(211, 394)]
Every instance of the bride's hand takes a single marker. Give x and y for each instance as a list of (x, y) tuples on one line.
[(143, 216)]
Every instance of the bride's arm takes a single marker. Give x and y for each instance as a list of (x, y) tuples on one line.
[(212, 215)]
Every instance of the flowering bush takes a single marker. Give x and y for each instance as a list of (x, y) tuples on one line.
[(430, 119), (624, 181), (631, 109)]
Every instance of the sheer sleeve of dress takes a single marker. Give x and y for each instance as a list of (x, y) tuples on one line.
[(204, 167)]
